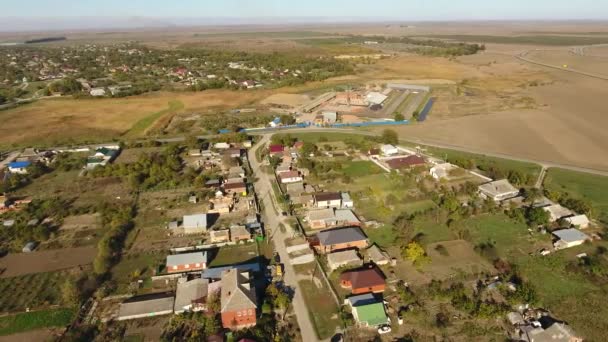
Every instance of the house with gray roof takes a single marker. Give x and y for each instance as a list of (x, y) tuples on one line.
[(155, 304), (567, 238), (498, 190), (339, 259), (238, 300), (340, 239), (186, 262), (191, 295), (195, 224)]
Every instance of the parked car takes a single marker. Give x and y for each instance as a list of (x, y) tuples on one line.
[(385, 329)]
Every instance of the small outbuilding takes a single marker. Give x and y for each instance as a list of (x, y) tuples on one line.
[(29, 247), (567, 238), (336, 260)]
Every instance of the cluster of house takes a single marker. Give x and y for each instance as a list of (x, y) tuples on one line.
[(390, 157), (237, 296), (20, 163), (535, 325), (102, 156), (341, 247)]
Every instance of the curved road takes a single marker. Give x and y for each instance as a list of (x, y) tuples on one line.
[(522, 56)]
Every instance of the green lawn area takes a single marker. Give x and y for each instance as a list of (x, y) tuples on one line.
[(142, 264), (323, 310), (35, 320), (140, 127), (228, 255), (383, 236), (361, 168), (581, 185)]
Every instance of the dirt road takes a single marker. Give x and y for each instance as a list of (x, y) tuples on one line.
[(271, 222)]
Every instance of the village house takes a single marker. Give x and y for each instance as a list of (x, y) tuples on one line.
[(498, 190), (363, 281), (274, 150), (567, 238), (233, 152), (331, 218), (580, 221), (239, 233), (191, 295), (97, 92), (195, 224), (347, 201), (377, 256), (405, 162), (305, 201), (389, 150), (196, 261), (148, 305), (290, 177), (19, 167), (341, 238), (221, 146), (283, 168), (348, 257), (238, 300), (556, 212), (236, 188), (367, 311), (441, 171), (221, 205), (327, 200), (102, 156), (219, 236)]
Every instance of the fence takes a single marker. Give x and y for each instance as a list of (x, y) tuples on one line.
[(371, 124)]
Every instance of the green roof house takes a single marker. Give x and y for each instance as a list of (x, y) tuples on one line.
[(370, 315)]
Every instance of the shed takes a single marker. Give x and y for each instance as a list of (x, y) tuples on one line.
[(370, 315), (567, 238), (336, 260), (378, 256), (194, 224), (149, 305), (29, 247), (581, 221)]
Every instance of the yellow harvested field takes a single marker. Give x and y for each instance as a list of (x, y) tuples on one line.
[(283, 99), (62, 121)]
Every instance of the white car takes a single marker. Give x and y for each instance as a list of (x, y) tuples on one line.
[(385, 329)]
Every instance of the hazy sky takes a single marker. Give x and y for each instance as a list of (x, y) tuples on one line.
[(395, 9)]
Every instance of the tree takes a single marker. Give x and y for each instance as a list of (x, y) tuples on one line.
[(537, 216), (287, 119), (532, 194), (399, 117), (389, 137), (308, 148), (414, 252)]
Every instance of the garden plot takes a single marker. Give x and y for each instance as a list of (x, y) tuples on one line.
[(45, 261)]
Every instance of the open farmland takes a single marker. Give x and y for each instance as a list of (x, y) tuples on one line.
[(567, 60), (34, 290), (46, 261), (65, 121)]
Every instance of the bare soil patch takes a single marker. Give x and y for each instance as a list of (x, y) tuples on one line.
[(45, 261), (34, 335), (284, 99)]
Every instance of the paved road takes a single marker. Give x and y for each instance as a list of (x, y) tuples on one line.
[(265, 193), (523, 56)]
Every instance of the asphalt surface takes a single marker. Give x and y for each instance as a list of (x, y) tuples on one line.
[(272, 220)]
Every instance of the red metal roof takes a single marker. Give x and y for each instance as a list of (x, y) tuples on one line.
[(275, 148)]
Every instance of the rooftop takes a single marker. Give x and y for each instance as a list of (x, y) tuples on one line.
[(498, 187), (341, 235), (237, 293), (371, 314), (362, 299), (186, 258), (402, 162), (327, 196), (190, 291), (342, 257), (151, 303), (363, 278), (571, 235)]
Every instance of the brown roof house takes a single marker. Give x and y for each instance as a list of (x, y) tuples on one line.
[(328, 199), (236, 188), (238, 300), (405, 162), (341, 238), (363, 281)]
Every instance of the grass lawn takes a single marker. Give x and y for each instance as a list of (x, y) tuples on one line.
[(511, 238), (323, 310), (361, 168), (383, 236), (228, 255), (142, 264), (581, 185), (35, 320)]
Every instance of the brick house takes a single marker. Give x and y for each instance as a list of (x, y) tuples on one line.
[(363, 281), (186, 262), (341, 238), (238, 300), (236, 188)]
